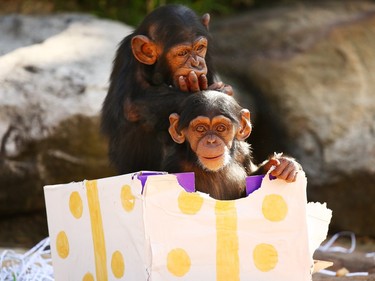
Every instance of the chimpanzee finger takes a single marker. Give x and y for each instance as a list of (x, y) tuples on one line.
[(224, 88), (292, 177), (269, 163), (216, 86), (182, 84), (279, 169), (289, 172), (228, 90), (203, 82), (193, 82)]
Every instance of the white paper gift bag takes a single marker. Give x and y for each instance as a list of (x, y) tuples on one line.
[(96, 230), (150, 228)]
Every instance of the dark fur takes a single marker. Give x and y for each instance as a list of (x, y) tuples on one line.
[(144, 90), (229, 182)]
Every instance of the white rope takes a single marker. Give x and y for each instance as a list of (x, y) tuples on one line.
[(332, 273), (327, 247), (34, 265)]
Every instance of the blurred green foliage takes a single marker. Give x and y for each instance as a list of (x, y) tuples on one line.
[(133, 11)]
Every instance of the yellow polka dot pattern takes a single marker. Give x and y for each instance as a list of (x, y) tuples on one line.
[(190, 202), (88, 277), (62, 245), (178, 262), (274, 208), (76, 209), (127, 198), (117, 264), (265, 257), (75, 205)]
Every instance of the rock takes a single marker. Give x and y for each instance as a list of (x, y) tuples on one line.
[(20, 31), (356, 261), (310, 71), (50, 99)]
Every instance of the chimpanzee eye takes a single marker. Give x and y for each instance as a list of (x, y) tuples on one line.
[(182, 53), (200, 48), (221, 128), (200, 129)]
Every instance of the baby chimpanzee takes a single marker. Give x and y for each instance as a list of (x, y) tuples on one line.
[(210, 130)]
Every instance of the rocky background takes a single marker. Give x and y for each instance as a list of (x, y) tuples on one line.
[(306, 72), (310, 71), (53, 78)]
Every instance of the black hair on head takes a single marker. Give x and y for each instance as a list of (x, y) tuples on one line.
[(182, 24), (210, 104)]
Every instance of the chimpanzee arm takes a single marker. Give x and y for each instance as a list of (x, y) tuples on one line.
[(286, 167), (155, 106)]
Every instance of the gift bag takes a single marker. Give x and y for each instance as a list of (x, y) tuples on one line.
[(146, 226)]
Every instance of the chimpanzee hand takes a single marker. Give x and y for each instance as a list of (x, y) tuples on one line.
[(286, 168), (194, 84), (221, 87)]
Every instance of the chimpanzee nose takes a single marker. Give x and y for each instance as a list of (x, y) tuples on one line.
[(194, 61), (211, 139)]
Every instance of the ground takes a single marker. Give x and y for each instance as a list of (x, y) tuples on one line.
[(358, 261), (353, 262)]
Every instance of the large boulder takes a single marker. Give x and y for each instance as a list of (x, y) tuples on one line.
[(310, 71), (51, 92), (19, 31)]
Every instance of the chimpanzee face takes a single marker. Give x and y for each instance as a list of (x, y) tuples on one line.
[(211, 134), (187, 57)]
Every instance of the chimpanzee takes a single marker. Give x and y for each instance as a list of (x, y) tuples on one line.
[(166, 58), (210, 131)]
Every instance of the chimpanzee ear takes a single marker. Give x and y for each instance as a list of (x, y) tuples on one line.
[(177, 136), (206, 20), (245, 125), (144, 50)]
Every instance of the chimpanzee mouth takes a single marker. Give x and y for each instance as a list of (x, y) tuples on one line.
[(213, 157)]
